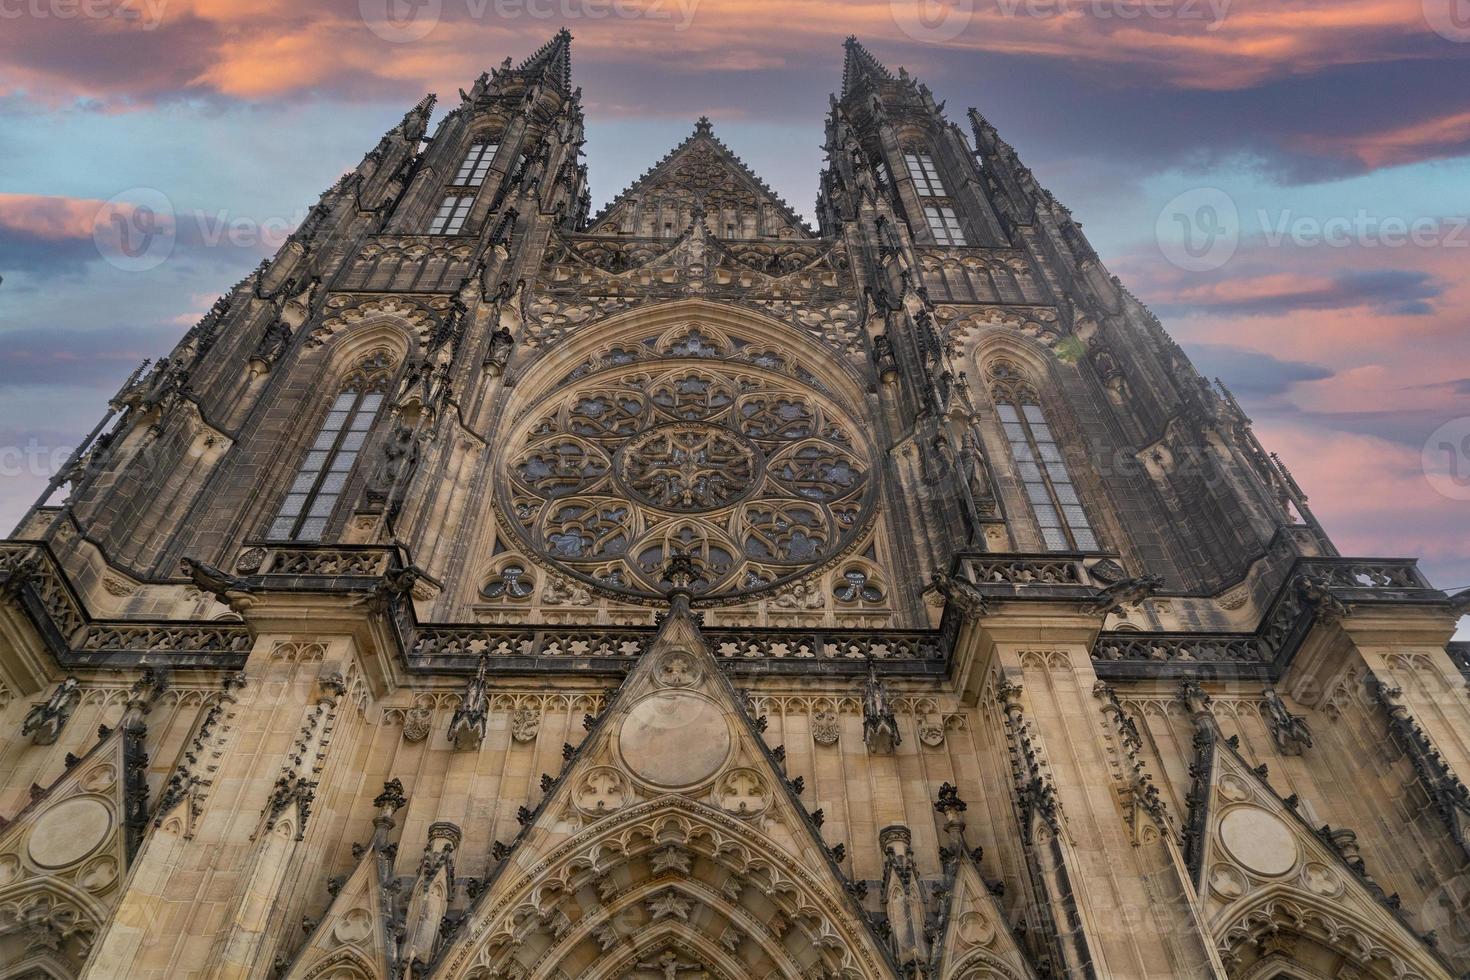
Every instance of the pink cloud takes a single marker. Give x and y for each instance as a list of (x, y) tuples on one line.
[(52, 218)]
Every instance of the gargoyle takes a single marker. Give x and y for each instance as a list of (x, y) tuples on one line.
[(1128, 592), (229, 589)]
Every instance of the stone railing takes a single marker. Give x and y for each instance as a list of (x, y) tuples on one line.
[(1316, 590), (365, 561), (510, 647), (1459, 651), (1060, 574), (30, 574)]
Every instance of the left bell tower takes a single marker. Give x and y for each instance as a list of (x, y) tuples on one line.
[(266, 422)]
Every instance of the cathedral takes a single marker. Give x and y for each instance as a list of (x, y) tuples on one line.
[(491, 589)]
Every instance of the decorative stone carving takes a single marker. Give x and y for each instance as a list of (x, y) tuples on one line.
[(226, 588), (670, 859), (249, 561), (825, 727), (761, 479), (601, 791), (467, 726), (44, 722), (677, 668), (1289, 731), (416, 724), (931, 730), (525, 724), (880, 724), (669, 905), (742, 792)]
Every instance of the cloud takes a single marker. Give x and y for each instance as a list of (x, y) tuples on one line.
[(1403, 292), (1442, 135), (98, 357), (1252, 373)]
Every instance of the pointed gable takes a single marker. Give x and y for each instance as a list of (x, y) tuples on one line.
[(700, 175), (64, 856), (352, 935), (1269, 885), (973, 933), (671, 837)]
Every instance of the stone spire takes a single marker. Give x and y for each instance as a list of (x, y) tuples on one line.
[(553, 61), (859, 66)]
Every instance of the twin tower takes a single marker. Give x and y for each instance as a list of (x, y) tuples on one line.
[(488, 588)]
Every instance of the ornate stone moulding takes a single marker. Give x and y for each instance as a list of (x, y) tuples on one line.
[(761, 478)]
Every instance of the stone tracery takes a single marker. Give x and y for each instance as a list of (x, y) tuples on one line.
[(759, 476)]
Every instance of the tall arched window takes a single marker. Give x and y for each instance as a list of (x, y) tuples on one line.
[(1049, 488), (476, 164), (319, 481)]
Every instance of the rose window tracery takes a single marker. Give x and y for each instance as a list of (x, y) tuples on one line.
[(756, 476)]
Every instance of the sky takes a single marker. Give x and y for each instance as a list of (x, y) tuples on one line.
[(1286, 184)]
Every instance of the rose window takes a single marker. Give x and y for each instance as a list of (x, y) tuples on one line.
[(759, 478)]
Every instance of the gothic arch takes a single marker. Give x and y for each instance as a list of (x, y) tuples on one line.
[(346, 963), (393, 334), (710, 871), (996, 342), (1303, 928), (657, 434), (1279, 967), (658, 319), (982, 964)]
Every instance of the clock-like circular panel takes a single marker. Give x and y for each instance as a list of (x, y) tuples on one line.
[(756, 475)]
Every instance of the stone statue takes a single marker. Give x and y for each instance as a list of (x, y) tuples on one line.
[(44, 722), (400, 455), (272, 345), (880, 725), (1289, 731)]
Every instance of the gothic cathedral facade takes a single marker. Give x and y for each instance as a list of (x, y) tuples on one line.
[(487, 588)]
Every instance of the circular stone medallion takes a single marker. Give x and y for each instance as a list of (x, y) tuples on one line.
[(1258, 840), (688, 467), (69, 831), (674, 739)]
